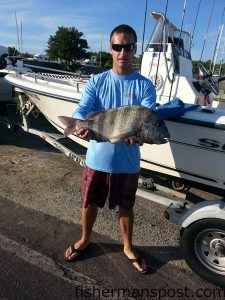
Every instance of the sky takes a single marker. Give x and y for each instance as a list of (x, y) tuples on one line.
[(97, 18)]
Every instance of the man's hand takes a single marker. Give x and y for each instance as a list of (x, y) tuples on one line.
[(83, 133), (134, 140)]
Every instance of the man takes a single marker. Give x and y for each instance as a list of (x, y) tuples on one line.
[(113, 169)]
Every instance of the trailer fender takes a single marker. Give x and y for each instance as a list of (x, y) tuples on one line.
[(203, 210)]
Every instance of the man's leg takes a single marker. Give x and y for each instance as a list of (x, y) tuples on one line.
[(126, 219), (89, 215)]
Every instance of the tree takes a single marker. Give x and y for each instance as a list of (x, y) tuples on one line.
[(104, 59), (12, 51), (195, 65), (137, 60), (67, 45)]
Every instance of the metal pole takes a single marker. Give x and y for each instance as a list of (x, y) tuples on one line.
[(18, 38), (222, 58), (21, 37), (100, 56), (213, 63), (207, 30), (162, 42), (195, 22), (182, 21), (143, 37), (217, 42)]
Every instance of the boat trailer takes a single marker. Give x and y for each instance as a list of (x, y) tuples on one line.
[(202, 226)]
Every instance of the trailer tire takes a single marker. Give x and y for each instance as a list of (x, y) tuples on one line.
[(180, 186), (203, 248)]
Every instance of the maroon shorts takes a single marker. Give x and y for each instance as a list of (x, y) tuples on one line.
[(119, 188)]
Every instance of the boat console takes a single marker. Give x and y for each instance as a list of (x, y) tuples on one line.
[(167, 62)]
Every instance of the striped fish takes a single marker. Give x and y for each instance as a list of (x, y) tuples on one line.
[(118, 124)]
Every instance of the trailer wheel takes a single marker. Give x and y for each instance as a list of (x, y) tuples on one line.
[(203, 248), (180, 186)]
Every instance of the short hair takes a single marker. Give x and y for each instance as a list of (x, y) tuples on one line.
[(123, 28)]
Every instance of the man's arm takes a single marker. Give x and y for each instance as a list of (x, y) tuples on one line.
[(85, 106), (87, 102), (149, 96)]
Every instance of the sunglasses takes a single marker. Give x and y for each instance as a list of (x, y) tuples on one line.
[(126, 47)]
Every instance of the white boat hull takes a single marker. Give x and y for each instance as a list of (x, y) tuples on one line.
[(195, 152)]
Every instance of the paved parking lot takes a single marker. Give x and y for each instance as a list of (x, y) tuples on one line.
[(40, 210)]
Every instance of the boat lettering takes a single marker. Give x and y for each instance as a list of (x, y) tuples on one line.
[(210, 143)]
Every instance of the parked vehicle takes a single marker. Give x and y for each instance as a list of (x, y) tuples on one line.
[(6, 89)]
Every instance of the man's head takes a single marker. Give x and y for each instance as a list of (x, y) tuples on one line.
[(123, 28), (123, 41)]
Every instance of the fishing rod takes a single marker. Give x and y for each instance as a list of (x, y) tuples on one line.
[(182, 21), (212, 64), (222, 60), (216, 48), (164, 25), (18, 38), (21, 36), (206, 34), (143, 37), (192, 37), (181, 28)]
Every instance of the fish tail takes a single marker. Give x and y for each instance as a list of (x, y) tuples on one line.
[(72, 125), (69, 130)]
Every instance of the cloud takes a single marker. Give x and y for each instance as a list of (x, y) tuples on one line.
[(8, 5), (40, 19)]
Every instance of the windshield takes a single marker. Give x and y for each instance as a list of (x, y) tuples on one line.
[(172, 34)]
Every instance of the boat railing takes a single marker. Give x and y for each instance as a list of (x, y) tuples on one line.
[(76, 81), (66, 76), (79, 84)]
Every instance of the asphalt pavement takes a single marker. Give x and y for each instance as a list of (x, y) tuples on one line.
[(32, 244)]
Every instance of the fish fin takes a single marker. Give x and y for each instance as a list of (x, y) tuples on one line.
[(67, 121)]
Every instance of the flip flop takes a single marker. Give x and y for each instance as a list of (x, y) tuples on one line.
[(74, 251), (138, 260)]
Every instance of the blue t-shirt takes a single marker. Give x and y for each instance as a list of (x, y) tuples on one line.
[(109, 90)]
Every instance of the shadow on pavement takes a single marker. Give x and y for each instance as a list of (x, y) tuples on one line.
[(19, 138), (103, 261)]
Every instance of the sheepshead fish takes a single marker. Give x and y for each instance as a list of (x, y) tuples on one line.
[(116, 125)]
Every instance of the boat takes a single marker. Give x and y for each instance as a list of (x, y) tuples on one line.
[(6, 89), (167, 63), (196, 150), (39, 63), (89, 66)]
